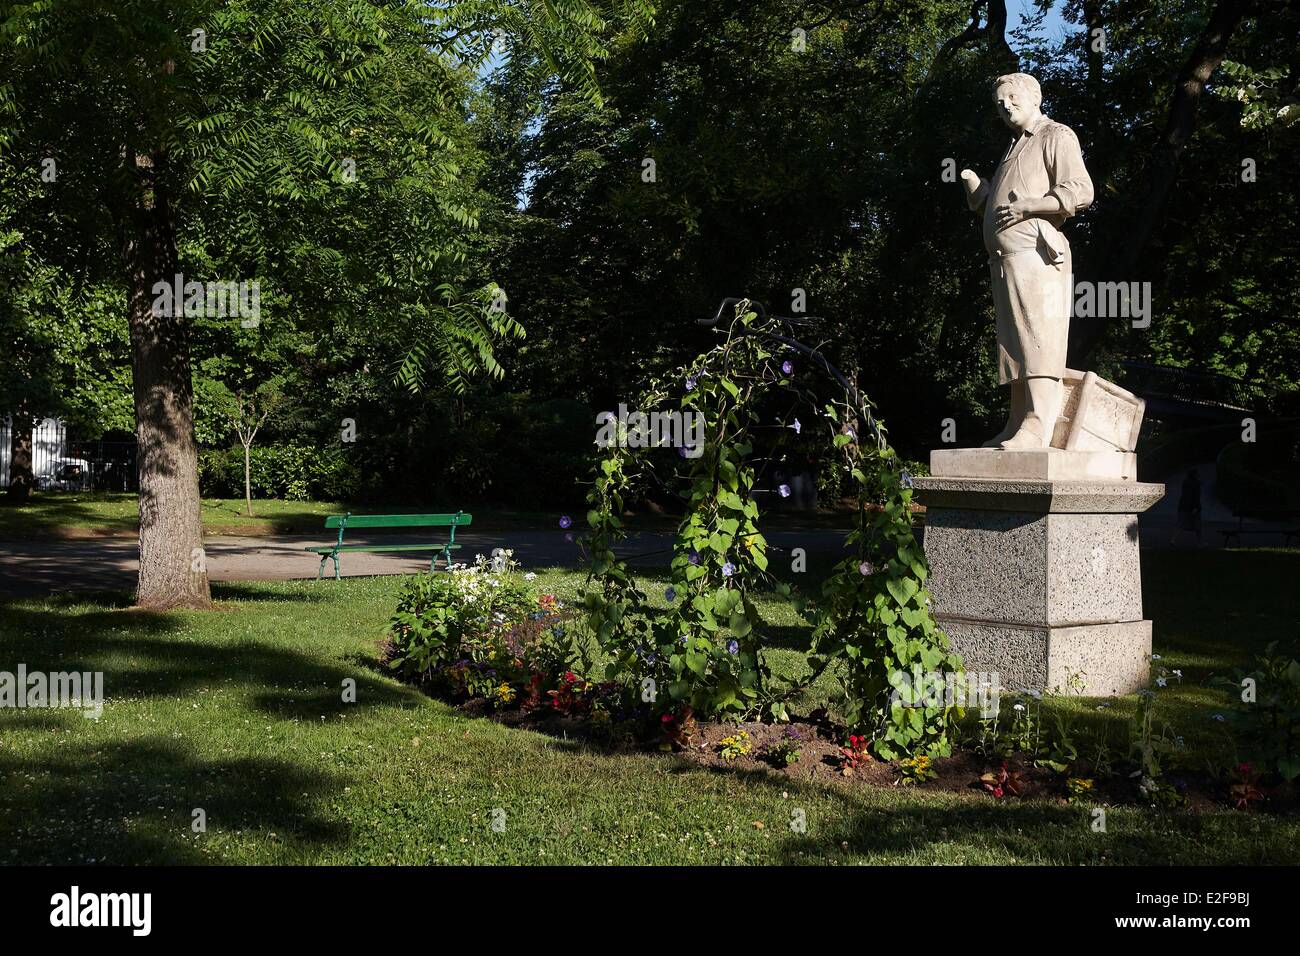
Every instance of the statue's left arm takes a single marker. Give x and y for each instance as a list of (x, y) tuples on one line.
[(1070, 192), (1071, 184)]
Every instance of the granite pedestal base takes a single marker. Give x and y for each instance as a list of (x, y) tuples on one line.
[(1039, 580)]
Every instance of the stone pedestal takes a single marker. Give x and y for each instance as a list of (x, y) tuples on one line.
[(1037, 578)]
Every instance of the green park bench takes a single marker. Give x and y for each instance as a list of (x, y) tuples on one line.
[(349, 521)]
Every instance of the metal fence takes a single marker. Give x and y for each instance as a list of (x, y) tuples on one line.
[(64, 463)]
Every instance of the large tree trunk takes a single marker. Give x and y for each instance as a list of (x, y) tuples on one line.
[(21, 479), (173, 564)]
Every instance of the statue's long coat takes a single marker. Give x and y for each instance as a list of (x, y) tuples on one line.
[(1030, 260)]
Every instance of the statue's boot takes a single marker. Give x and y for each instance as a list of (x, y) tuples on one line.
[(1017, 416), (1030, 435)]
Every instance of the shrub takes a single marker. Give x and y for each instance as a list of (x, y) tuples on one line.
[(1267, 724), (291, 471), (477, 631)]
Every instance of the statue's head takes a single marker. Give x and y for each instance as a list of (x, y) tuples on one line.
[(1017, 96)]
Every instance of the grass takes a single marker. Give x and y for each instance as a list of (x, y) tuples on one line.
[(118, 513), (238, 712)]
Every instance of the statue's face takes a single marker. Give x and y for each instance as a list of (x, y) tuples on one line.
[(1015, 105)]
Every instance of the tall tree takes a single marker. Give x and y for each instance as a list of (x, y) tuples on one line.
[(188, 107)]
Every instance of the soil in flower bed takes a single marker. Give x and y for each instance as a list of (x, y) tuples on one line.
[(819, 761)]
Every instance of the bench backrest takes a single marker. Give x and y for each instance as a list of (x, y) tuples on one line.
[(459, 519)]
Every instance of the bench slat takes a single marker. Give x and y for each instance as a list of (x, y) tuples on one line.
[(400, 521), (385, 547)]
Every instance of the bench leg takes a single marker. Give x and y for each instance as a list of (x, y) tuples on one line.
[(321, 569), (336, 566)]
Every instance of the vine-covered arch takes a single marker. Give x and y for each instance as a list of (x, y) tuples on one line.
[(871, 620)]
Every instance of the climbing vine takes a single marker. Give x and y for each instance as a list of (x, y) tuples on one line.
[(872, 622)]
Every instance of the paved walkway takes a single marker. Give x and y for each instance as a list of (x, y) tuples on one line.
[(47, 566), (43, 567)]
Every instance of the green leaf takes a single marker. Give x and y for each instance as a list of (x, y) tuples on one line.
[(902, 589)]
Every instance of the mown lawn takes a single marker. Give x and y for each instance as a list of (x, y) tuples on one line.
[(118, 512), (239, 712)]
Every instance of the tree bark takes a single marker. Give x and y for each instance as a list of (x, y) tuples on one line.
[(993, 32), (21, 479), (248, 485), (173, 564)]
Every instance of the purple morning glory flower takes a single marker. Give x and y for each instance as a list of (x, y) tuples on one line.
[(797, 427), (787, 367), (681, 451), (785, 490), (866, 568), (691, 382), (907, 479), (694, 557), (670, 595), (733, 647), (566, 521), (850, 432), (568, 538), (728, 569)]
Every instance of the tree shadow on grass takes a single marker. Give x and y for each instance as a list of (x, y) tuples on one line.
[(146, 655), (867, 821), (255, 593), (134, 803)]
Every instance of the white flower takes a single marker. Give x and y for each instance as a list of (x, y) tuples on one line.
[(530, 576), (1019, 707), (1161, 682)]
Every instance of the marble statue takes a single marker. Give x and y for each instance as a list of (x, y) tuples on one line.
[(1039, 184)]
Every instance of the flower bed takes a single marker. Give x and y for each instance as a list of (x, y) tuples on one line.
[(481, 639)]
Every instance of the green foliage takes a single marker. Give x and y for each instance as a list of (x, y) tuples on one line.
[(1267, 726), (1267, 97), (787, 751), (707, 652), (1154, 747), (914, 770), (479, 632), (292, 470), (735, 745), (873, 619)]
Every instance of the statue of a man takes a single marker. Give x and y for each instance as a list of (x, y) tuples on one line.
[(1040, 182)]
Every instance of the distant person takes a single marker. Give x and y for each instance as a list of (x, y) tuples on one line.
[(1189, 507)]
